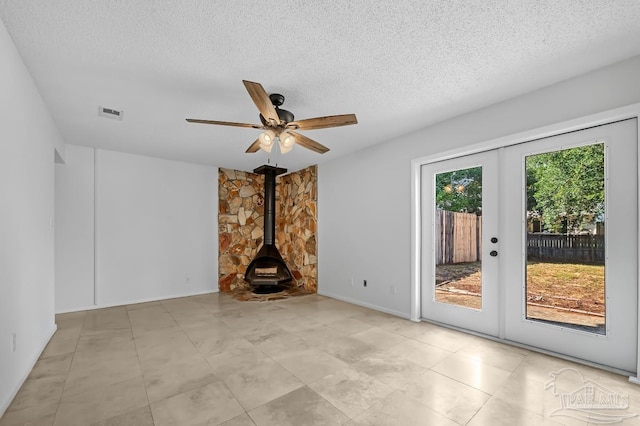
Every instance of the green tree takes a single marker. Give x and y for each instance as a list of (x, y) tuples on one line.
[(460, 190), (567, 185)]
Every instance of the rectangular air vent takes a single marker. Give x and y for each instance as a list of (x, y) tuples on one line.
[(110, 113)]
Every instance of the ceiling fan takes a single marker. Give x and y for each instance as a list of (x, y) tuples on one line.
[(279, 123)]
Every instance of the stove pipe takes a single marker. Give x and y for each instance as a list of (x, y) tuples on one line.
[(268, 267)]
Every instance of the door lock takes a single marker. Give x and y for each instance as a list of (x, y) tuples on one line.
[(493, 253), (494, 240)]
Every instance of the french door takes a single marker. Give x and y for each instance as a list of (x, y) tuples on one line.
[(460, 263), (555, 261)]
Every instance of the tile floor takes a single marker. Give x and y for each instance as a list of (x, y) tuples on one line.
[(212, 360)]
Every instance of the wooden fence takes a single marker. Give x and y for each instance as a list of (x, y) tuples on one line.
[(587, 248), (458, 237)]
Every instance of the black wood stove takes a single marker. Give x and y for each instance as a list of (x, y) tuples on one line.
[(268, 272)]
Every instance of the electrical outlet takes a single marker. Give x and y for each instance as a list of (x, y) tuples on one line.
[(364, 283), (14, 342), (187, 279)]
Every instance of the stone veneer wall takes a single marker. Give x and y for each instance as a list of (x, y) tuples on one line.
[(241, 225), (297, 225)]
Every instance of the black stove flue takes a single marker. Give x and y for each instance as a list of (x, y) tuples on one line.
[(268, 272)]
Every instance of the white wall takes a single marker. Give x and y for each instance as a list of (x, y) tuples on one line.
[(155, 227), (74, 229), (364, 199), (28, 138)]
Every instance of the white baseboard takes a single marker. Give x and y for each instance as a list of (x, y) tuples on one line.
[(366, 305), (5, 404), (136, 301)]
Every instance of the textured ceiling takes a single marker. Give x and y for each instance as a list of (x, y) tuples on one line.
[(399, 66)]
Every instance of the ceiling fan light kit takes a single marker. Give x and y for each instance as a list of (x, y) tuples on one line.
[(267, 139), (279, 123)]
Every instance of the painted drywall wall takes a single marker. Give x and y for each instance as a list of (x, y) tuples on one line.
[(74, 240), (28, 138), (364, 228), (155, 228)]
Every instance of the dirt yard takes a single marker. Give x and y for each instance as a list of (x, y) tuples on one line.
[(558, 292)]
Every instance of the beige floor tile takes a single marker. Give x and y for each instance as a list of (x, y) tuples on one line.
[(241, 420), (91, 407), (236, 359), (87, 375), (405, 327), (489, 353), (308, 360), (396, 409), (240, 319), (262, 333), (351, 391), (107, 342), (528, 393), (144, 321), (274, 314), (195, 318), (43, 388), (256, 385), (389, 369), (138, 417), (172, 375), (210, 342), (164, 343), (151, 306), (181, 304), (106, 320), (300, 407), (40, 416), (316, 336), (217, 302), (64, 341), (375, 318), (348, 348), (419, 353), (452, 399), (57, 366), (210, 404), (446, 339), (310, 365), (70, 319), (380, 338), (472, 371), (348, 326), (501, 413)]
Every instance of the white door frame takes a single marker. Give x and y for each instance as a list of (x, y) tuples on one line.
[(605, 117)]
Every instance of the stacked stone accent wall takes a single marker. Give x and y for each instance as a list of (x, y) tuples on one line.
[(297, 224), (241, 225)]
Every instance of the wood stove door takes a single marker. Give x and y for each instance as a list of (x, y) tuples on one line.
[(460, 243)]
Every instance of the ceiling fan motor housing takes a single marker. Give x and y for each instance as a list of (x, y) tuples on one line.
[(278, 100)]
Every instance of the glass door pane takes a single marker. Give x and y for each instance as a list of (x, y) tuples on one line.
[(459, 278), (565, 220), (458, 237)]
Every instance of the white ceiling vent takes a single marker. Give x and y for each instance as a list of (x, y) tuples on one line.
[(110, 113)]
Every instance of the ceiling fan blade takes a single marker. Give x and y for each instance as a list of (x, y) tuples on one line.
[(224, 123), (309, 143), (262, 101), (324, 122), (254, 147)]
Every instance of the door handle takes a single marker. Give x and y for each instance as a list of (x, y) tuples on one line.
[(493, 253)]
